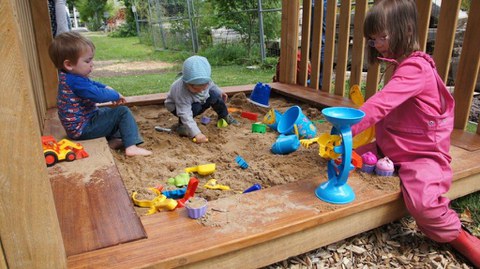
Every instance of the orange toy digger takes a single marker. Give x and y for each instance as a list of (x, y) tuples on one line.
[(63, 150)]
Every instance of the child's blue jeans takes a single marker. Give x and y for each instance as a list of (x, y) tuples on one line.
[(214, 100), (116, 122)]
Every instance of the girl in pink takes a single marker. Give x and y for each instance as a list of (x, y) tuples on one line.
[(413, 118)]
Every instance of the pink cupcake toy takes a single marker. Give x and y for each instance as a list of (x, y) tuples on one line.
[(384, 167), (368, 162)]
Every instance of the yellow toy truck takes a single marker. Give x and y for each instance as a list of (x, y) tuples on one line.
[(63, 150)]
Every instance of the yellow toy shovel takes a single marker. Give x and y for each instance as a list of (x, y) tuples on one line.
[(203, 170), (368, 135), (213, 185)]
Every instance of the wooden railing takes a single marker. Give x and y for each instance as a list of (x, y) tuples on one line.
[(340, 41)]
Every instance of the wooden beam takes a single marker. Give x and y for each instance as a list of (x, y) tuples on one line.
[(445, 36), (342, 45), (289, 41), (358, 47), (424, 8), (29, 230), (43, 39), (305, 48), (317, 44), (329, 51), (373, 76), (467, 69)]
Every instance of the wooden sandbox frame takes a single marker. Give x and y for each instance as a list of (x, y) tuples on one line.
[(30, 230)]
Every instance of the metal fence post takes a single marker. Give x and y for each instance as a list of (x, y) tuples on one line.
[(134, 10), (192, 26), (160, 23), (262, 38)]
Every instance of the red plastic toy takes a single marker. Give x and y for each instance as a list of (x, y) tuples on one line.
[(249, 115)]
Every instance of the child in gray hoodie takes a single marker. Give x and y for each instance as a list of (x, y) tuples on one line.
[(192, 94)]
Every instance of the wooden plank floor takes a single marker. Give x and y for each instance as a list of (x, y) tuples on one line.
[(93, 206), (260, 228)]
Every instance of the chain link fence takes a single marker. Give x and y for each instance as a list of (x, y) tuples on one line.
[(246, 31)]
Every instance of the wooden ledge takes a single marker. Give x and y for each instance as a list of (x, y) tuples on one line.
[(311, 96), (306, 95), (159, 98), (93, 207)]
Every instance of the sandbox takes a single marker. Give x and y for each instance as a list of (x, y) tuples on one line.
[(172, 153)]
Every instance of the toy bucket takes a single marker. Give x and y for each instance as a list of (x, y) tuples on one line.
[(260, 95), (285, 144), (272, 118), (293, 121)]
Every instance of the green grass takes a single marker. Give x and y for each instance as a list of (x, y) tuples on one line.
[(129, 50), (155, 83), (470, 206)]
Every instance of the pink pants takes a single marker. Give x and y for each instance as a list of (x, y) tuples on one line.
[(423, 184)]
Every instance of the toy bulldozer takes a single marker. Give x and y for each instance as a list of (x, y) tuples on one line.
[(63, 150)]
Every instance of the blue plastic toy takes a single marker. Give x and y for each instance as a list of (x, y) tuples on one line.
[(175, 194), (285, 144), (241, 162), (254, 187), (293, 121), (336, 190), (260, 95)]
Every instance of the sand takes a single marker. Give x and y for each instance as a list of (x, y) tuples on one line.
[(172, 153)]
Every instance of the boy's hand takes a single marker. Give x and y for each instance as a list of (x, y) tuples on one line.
[(200, 138), (120, 101), (224, 97)]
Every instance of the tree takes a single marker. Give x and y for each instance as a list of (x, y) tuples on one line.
[(92, 12), (242, 16)]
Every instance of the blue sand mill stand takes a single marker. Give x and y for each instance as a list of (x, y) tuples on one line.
[(336, 190)]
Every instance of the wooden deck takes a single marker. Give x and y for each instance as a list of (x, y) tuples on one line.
[(260, 228)]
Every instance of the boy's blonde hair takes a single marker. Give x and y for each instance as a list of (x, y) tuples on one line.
[(397, 19), (68, 46)]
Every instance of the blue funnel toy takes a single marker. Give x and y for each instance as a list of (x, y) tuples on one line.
[(336, 190)]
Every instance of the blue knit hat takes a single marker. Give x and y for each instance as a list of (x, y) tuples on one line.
[(196, 70)]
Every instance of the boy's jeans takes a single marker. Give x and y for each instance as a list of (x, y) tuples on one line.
[(116, 122), (214, 100)]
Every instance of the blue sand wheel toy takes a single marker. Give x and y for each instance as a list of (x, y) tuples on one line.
[(336, 190)]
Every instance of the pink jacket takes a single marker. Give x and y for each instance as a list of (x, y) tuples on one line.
[(413, 113)]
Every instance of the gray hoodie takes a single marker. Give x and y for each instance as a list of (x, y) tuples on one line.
[(179, 98)]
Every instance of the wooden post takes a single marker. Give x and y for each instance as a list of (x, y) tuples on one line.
[(289, 42), (306, 26), (329, 51), (445, 37), (358, 46), (317, 44), (29, 229), (424, 9), (467, 69), (343, 44), (43, 39)]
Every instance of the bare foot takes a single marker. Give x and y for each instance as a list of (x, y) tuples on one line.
[(115, 143), (136, 151)]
